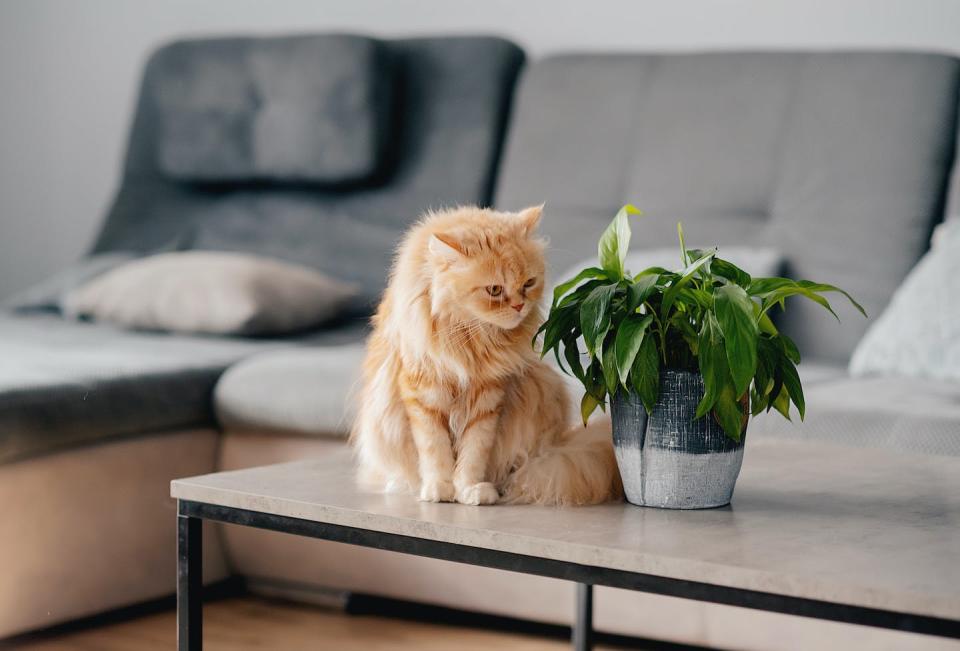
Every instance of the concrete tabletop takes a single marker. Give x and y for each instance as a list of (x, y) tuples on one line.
[(857, 526)]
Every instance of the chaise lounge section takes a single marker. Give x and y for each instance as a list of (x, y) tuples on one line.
[(94, 420)]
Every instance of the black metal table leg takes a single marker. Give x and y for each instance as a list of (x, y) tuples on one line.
[(583, 623), (189, 583)]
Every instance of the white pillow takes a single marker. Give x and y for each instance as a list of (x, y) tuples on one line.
[(210, 292), (756, 261), (918, 334)]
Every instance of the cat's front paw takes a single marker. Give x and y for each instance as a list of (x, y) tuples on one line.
[(437, 491), (482, 493)]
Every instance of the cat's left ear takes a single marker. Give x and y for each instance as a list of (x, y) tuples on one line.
[(530, 218), (446, 246)]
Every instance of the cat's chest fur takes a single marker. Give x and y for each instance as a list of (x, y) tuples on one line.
[(462, 402)]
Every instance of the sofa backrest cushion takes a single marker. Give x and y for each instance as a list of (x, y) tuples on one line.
[(307, 109), (451, 97), (839, 160)]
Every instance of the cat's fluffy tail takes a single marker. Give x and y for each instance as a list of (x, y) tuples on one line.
[(581, 469)]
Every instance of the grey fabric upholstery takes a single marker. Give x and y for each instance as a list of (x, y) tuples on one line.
[(908, 414), (64, 383), (839, 160), (299, 109), (310, 390), (452, 96)]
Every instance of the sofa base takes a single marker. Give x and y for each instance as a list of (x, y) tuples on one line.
[(92, 529)]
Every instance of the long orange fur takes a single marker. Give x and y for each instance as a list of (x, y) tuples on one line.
[(455, 404)]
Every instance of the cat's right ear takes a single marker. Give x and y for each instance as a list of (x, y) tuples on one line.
[(445, 246), (530, 218)]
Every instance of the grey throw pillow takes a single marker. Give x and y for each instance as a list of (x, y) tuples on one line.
[(918, 334), (210, 292)]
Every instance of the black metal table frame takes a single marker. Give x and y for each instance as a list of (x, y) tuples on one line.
[(190, 569)]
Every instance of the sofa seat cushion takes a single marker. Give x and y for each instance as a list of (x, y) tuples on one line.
[(309, 390), (65, 383), (309, 109), (908, 414), (312, 390)]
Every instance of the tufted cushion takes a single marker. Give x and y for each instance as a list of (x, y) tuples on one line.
[(301, 109), (838, 160)]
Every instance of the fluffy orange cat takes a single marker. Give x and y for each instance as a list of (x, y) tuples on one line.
[(456, 405)]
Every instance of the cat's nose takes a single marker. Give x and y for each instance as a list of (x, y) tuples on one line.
[(517, 307)]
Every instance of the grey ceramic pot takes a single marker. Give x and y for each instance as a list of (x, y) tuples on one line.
[(667, 459)]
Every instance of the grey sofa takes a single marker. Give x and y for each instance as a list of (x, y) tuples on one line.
[(95, 421), (839, 160)]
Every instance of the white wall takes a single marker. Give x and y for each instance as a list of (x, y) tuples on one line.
[(69, 72)]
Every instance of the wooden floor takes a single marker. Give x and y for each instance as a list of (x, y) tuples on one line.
[(248, 623)]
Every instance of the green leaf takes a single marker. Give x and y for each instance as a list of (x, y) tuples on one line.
[(768, 361), (791, 382), (588, 405), (629, 338), (758, 402), (712, 358), (683, 245), (615, 241), (777, 387), (571, 352), (655, 271), (766, 325), (580, 293), (729, 412), (640, 291), (610, 368), (594, 382), (646, 373), (760, 286), (773, 291), (790, 348), (695, 297), (696, 254), (670, 295), (739, 327), (731, 272), (823, 287), (563, 288), (560, 322), (595, 316), (782, 403)]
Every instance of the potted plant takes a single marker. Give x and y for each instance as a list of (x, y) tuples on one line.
[(685, 358)]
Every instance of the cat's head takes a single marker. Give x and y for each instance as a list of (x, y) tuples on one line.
[(487, 265)]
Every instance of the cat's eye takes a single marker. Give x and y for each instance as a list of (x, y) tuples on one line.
[(494, 290), (530, 283)]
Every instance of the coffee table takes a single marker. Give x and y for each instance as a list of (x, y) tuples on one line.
[(855, 535)]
